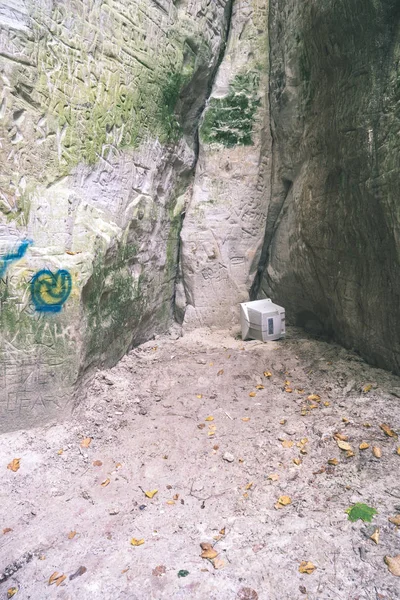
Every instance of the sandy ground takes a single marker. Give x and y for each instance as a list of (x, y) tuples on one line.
[(218, 481)]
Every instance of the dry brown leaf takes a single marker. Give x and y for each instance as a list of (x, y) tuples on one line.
[(220, 372), (394, 564), (283, 422), (388, 431), (201, 425), (252, 394), (245, 495), (211, 433), (364, 446), (349, 453), (267, 374), (345, 420), (218, 563), (97, 463), (53, 578), (377, 452), (85, 443), (307, 567), (216, 447), (395, 520), (222, 531), (14, 465), (299, 391), (333, 461), (249, 486), (136, 542), (151, 494), (210, 554), (206, 546), (341, 436), (398, 451), (11, 592), (314, 398), (71, 535), (287, 444), (60, 452), (246, 419), (210, 418), (273, 477), (199, 396), (288, 390), (118, 466), (170, 502), (260, 387), (344, 445), (60, 580), (367, 425), (367, 388), (105, 483), (327, 403), (375, 536), (297, 461), (284, 500)]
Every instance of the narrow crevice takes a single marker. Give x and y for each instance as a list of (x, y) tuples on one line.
[(179, 274)]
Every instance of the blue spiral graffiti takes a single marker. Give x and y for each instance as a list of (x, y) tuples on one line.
[(50, 290)]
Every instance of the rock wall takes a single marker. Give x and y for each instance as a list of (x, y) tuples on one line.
[(99, 109), (332, 246), (224, 225)]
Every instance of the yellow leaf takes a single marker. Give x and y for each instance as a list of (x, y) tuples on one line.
[(304, 441), (53, 578), (170, 502), (218, 563), (60, 580), (398, 451), (273, 477), (349, 453), (151, 494), (375, 536), (394, 564), (343, 445), (210, 418), (249, 486), (288, 390), (245, 419), (245, 495), (222, 531), (340, 436), (314, 398), (211, 433), (199, 396), (85, 443), (287, 443), (395, 520), (284, 500), (388, 431), (297, 461), (333, 461), (105, 483), (367, 425), (252, 394), (260, 387), (283, 422), (135, 542), (14, 465), (367, 388), (364, 446), (71, 535), (299, 391), (211, 364), (327, 403), (209, 553), (307, 567), (377, 452), (60, 452), (267, 374), (220, 372), (287, 383), (11, 592)]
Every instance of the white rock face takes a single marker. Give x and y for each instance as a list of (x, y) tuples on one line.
[(224, 226), (99, 106)]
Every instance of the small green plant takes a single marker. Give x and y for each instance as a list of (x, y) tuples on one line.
[(361, 511)]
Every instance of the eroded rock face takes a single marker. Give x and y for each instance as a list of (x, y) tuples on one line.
[(99, 107), (224, 224), (332, 248)]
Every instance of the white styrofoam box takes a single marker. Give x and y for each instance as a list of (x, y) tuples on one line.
[(262, 320)]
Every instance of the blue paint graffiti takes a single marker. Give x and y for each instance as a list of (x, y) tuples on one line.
[(50, 290), (13, 256)]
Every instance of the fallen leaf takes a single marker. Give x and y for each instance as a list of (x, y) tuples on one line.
[(246, 419), (245, 495), (287, 383), (151, 494), (394, 564), (71, 535), (364, 446), (211, 433), (367, 388), (210, 418), (267, 374), (260, 387), (216, 447), (287, 444), (283, 501), (199, 396), (220, 372), (283, 422), (171, 502), (218, 563), (252, 394), (6, 530), (105, 482), (343, 445), (183, 573), (345, 420), (327, 403), (297, 461), (273, 477), (288, 390), (388, 431), (85, 443), (314, 398), (333, 461), (206, 546), (53, 578), (377, 452), (341, 436), (60, 452), (246, 594), (176, 497), (97, 463), (361, 511), (135, 542), (222, 531), (307, 567), (158, 571), (249, 486), (201, 425), (349, 453), (367, 425), (11, 592), (14, 465), (210, 554), (395, 520), (118, 466), (299, 391), (60, 580), (398, 451), (375, 536), (78, 573)]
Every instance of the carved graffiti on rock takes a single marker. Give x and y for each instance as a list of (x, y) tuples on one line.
[(13, 255), (50, 290)]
